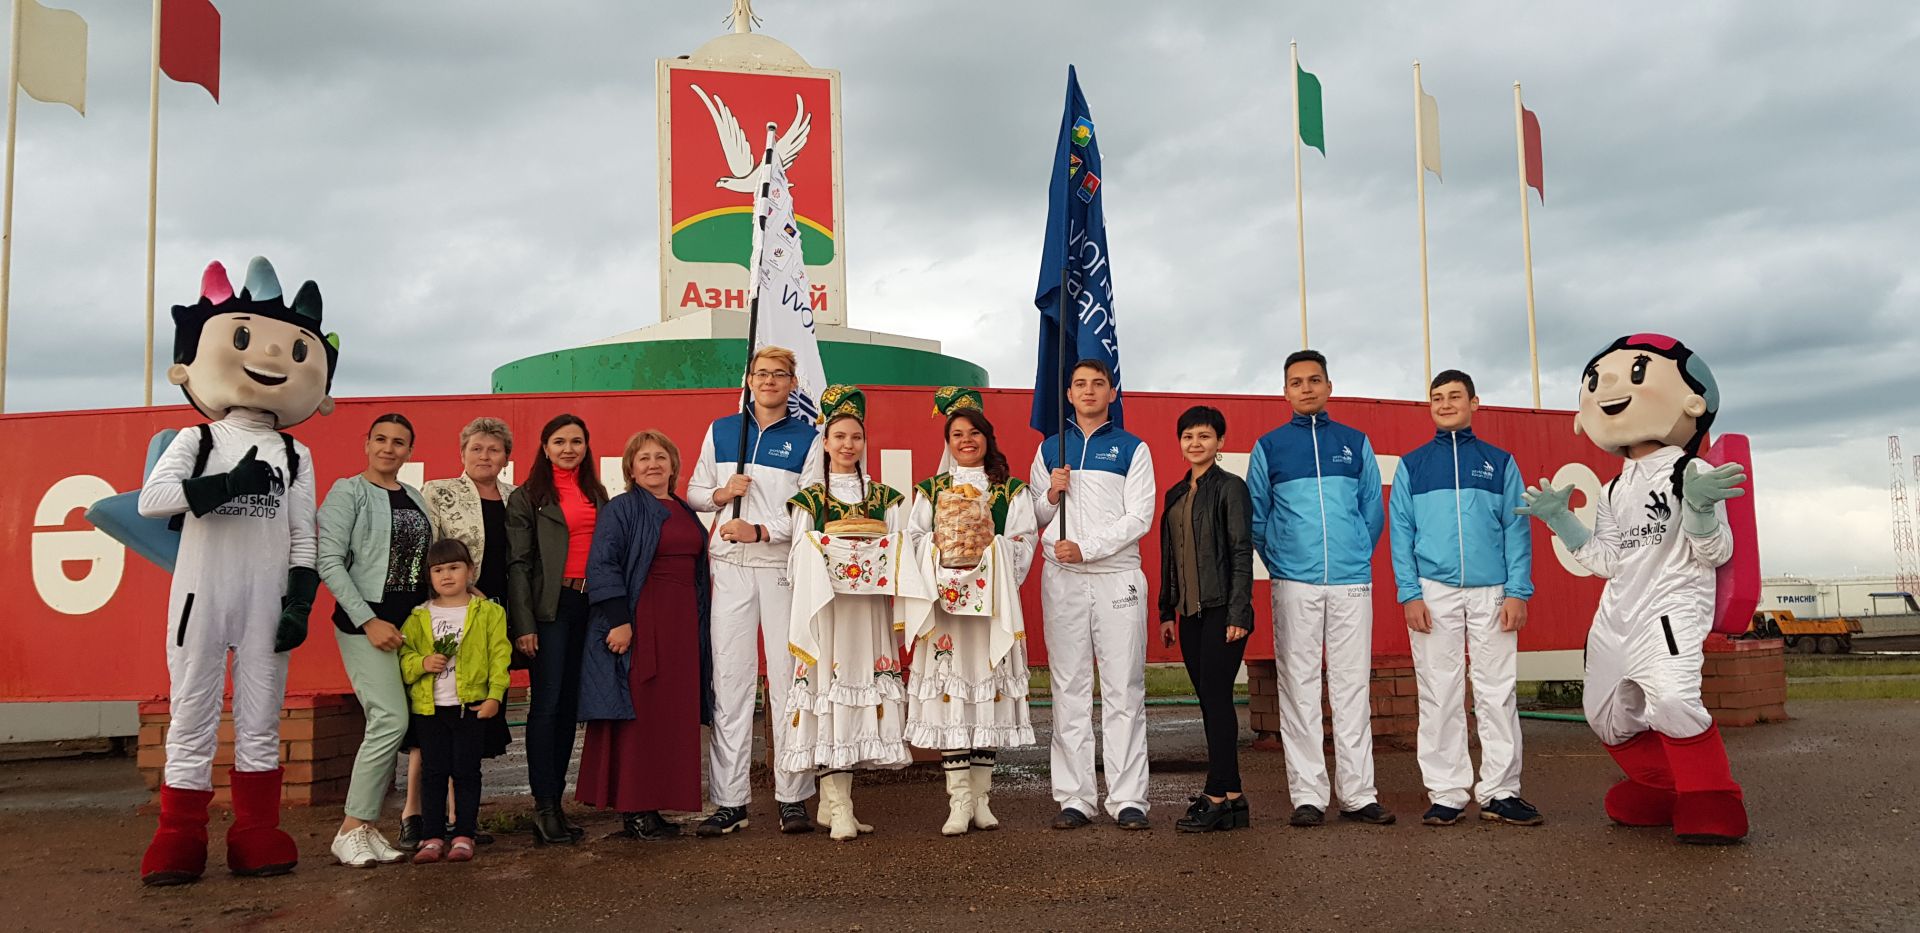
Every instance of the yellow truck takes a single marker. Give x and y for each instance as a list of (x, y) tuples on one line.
[(1805, 636)]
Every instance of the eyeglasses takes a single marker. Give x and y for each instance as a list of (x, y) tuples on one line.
[(769, 375)]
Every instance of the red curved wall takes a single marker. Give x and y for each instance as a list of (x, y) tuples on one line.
[(85, 621)]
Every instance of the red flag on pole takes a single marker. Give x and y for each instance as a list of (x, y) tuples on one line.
[(1536, 172), (190, 43)]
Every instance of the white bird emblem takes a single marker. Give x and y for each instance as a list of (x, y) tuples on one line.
[(743, 161)]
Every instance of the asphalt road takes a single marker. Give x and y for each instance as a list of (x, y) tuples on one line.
[(1834, 801)]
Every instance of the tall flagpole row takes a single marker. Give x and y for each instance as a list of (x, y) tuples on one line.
[(1299, 205), (6, 226), (153, 195), (1526, 237), (1420, 184)]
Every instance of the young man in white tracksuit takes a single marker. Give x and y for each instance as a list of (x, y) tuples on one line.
[(1659, 535), (1462, 565), (752, 596), (1316, 518), (244, 581), (1094, 599)]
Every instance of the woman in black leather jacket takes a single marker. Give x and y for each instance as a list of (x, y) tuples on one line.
[(1206, 594)]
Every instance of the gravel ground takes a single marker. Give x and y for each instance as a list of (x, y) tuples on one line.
[(1835, 809)]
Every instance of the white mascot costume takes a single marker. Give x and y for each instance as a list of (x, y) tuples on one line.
[(1658, 537), (244, 582)]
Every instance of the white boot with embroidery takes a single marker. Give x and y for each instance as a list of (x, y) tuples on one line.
[(959, 801)]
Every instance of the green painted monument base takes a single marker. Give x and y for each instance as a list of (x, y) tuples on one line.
[(716, 364)]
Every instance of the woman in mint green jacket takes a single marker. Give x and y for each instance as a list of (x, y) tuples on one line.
[(454, 658), (374, 534)]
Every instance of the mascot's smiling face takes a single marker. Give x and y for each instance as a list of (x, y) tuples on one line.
[(250, 361), (1644, 388), (253, 350)]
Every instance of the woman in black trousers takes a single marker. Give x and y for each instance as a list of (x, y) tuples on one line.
[(550, 522), (1206, 593)]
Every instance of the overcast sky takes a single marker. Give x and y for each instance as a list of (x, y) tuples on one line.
[(479, 179)]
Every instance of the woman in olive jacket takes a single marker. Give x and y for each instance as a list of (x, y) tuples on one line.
[(1206, 593)]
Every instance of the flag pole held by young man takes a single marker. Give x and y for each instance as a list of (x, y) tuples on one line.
[(753, 303)]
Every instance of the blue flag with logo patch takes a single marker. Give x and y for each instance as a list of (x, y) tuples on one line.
[(1076, 242)]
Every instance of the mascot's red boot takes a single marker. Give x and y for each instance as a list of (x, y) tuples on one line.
[(1709, 809), (178, 852), (256, 845), (1646, 797)]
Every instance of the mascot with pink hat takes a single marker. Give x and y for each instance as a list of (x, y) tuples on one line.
[(239, 493), (1659, 535)]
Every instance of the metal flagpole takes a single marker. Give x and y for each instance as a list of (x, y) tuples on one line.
[(753, 307), (6, 234), (1526, 238), (1299, 206), (1420, 183), (153, 191)]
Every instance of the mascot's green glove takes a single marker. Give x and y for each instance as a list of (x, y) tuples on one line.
[(249, 477), (302, 583), (1550, 505), (1702, 489)]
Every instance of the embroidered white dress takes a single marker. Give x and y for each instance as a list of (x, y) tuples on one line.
[(968, 684), (845, 709)]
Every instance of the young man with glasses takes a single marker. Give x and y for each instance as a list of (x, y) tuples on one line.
[(751, 592)]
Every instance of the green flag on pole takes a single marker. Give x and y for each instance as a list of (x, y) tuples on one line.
[(1312, 131)]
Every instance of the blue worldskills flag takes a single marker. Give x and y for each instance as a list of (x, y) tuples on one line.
[(1076, 243)]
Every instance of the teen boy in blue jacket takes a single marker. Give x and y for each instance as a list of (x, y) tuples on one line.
[(1316, 518), (1462, 564)]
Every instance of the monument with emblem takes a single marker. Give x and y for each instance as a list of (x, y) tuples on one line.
[(712, 107)]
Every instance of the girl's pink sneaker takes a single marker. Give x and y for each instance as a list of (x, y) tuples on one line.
[(430, 851), (461, 850)]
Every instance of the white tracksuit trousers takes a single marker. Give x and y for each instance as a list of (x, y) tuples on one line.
[(1310, 618), (1466, 622), (1097, 619), (751, 606)]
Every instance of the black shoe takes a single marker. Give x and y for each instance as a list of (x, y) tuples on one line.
[(723, 821), (647, 825), (1512, 810), (1207, 815), (410, 828), (575, 830), (794, 819), (1371, 813), (1441, 815), (1133, 818), (483, 839), (548, 827), (1242, 813), (1069, 818), (1307, 815)]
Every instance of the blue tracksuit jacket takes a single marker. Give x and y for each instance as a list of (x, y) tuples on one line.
[(1453, 519), (1316, 502)]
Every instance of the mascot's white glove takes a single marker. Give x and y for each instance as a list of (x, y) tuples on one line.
[(1702, 489), (1550, 506)]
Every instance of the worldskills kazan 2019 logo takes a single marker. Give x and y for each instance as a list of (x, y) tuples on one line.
[(719, 121)]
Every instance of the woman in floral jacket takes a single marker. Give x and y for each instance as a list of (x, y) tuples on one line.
[(846, 708)]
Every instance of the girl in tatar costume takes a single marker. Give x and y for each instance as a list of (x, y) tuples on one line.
[(845, 707), (244, 581), (967, 691), (1658, 536)]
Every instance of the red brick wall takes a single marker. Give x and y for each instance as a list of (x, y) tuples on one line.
[(319, 736), (1745, 680), (1394, 694)]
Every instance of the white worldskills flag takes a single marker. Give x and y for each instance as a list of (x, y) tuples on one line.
[(780, 282)]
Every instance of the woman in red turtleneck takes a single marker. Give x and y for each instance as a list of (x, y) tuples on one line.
[(550, 521)]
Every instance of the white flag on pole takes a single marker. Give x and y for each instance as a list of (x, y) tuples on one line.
[(53, 55), (780, 283)]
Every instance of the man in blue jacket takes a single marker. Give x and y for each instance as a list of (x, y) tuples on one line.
[(1462, 564), (1316, 518)]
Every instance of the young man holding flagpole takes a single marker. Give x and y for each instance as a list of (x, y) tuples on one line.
[(754, 461), (1316, 519), (1092, 591)]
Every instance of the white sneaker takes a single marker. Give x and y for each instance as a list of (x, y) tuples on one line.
[(352, 849), (383, 851)]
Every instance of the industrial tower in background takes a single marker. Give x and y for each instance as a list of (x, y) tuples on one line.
[(1906, 553)]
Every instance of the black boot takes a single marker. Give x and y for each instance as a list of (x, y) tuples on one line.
[(648, 825), (549, 827), (1206, 815)]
